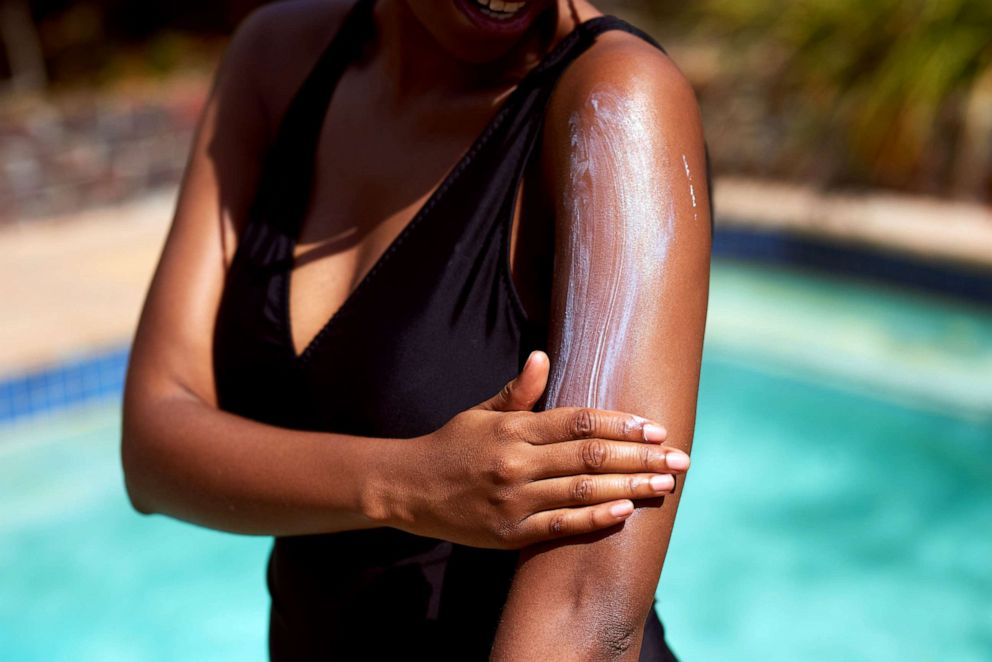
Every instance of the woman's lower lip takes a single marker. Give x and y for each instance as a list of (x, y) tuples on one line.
[(496, 25)]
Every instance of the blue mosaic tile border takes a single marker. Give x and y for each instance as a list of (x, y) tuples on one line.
[(69, 383), (777, 247)]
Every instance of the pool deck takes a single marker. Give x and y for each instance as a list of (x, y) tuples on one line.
[(73, 285), (929, 229)]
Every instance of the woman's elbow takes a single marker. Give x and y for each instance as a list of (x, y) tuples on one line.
[(135, 497), (617, 633), (611, 624), (136, 464), (133, 466)]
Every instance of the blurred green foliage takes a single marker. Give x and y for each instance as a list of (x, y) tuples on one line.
[(890, 92)]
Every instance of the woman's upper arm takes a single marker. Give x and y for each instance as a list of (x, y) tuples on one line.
[(253, 86), (172, 344), (623, 157)]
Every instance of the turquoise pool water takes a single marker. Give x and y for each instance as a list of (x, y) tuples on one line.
[(839, 507)]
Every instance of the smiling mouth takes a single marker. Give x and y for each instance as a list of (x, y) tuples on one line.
[(498, 9)]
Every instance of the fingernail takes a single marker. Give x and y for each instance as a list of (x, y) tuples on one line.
[(622, 509), (653, 432), (677, 460), (528, 361), (663, 483)]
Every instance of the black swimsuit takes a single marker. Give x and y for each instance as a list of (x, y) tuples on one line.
[(433, 329)]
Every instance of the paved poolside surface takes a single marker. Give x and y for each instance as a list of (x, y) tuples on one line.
[(74, 284)]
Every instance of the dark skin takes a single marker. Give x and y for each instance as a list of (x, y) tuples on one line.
[(559, 483), (593, 594)]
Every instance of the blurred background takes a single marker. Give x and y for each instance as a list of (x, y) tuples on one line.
[(840, 506)]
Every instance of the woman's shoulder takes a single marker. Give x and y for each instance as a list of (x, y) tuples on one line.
[(626, 66), (624, 80), (277, 45), (623, 96)]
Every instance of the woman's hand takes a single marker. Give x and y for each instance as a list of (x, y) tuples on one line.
[(499, 475)]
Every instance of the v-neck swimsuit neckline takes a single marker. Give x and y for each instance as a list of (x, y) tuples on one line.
[(549, 58)]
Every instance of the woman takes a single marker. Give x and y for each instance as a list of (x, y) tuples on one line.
[(347, 286)]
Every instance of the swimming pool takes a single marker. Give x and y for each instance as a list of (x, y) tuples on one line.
[(838, 507)]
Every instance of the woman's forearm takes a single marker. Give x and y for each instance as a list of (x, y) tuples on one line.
[(186, 459), (488, 477)]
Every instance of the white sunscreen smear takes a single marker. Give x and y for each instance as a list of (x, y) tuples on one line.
[(692, 190), (621, 218)]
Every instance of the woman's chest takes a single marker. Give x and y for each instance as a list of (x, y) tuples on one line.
[(386, 302), (432, 328), (376, 167), (397, 362)]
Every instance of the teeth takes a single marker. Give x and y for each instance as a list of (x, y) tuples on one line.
[(499, 8)]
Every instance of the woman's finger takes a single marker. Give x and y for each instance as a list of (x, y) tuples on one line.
[(523, 391), (564, 522), (570, 423), (586, 490), (605, 456)]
